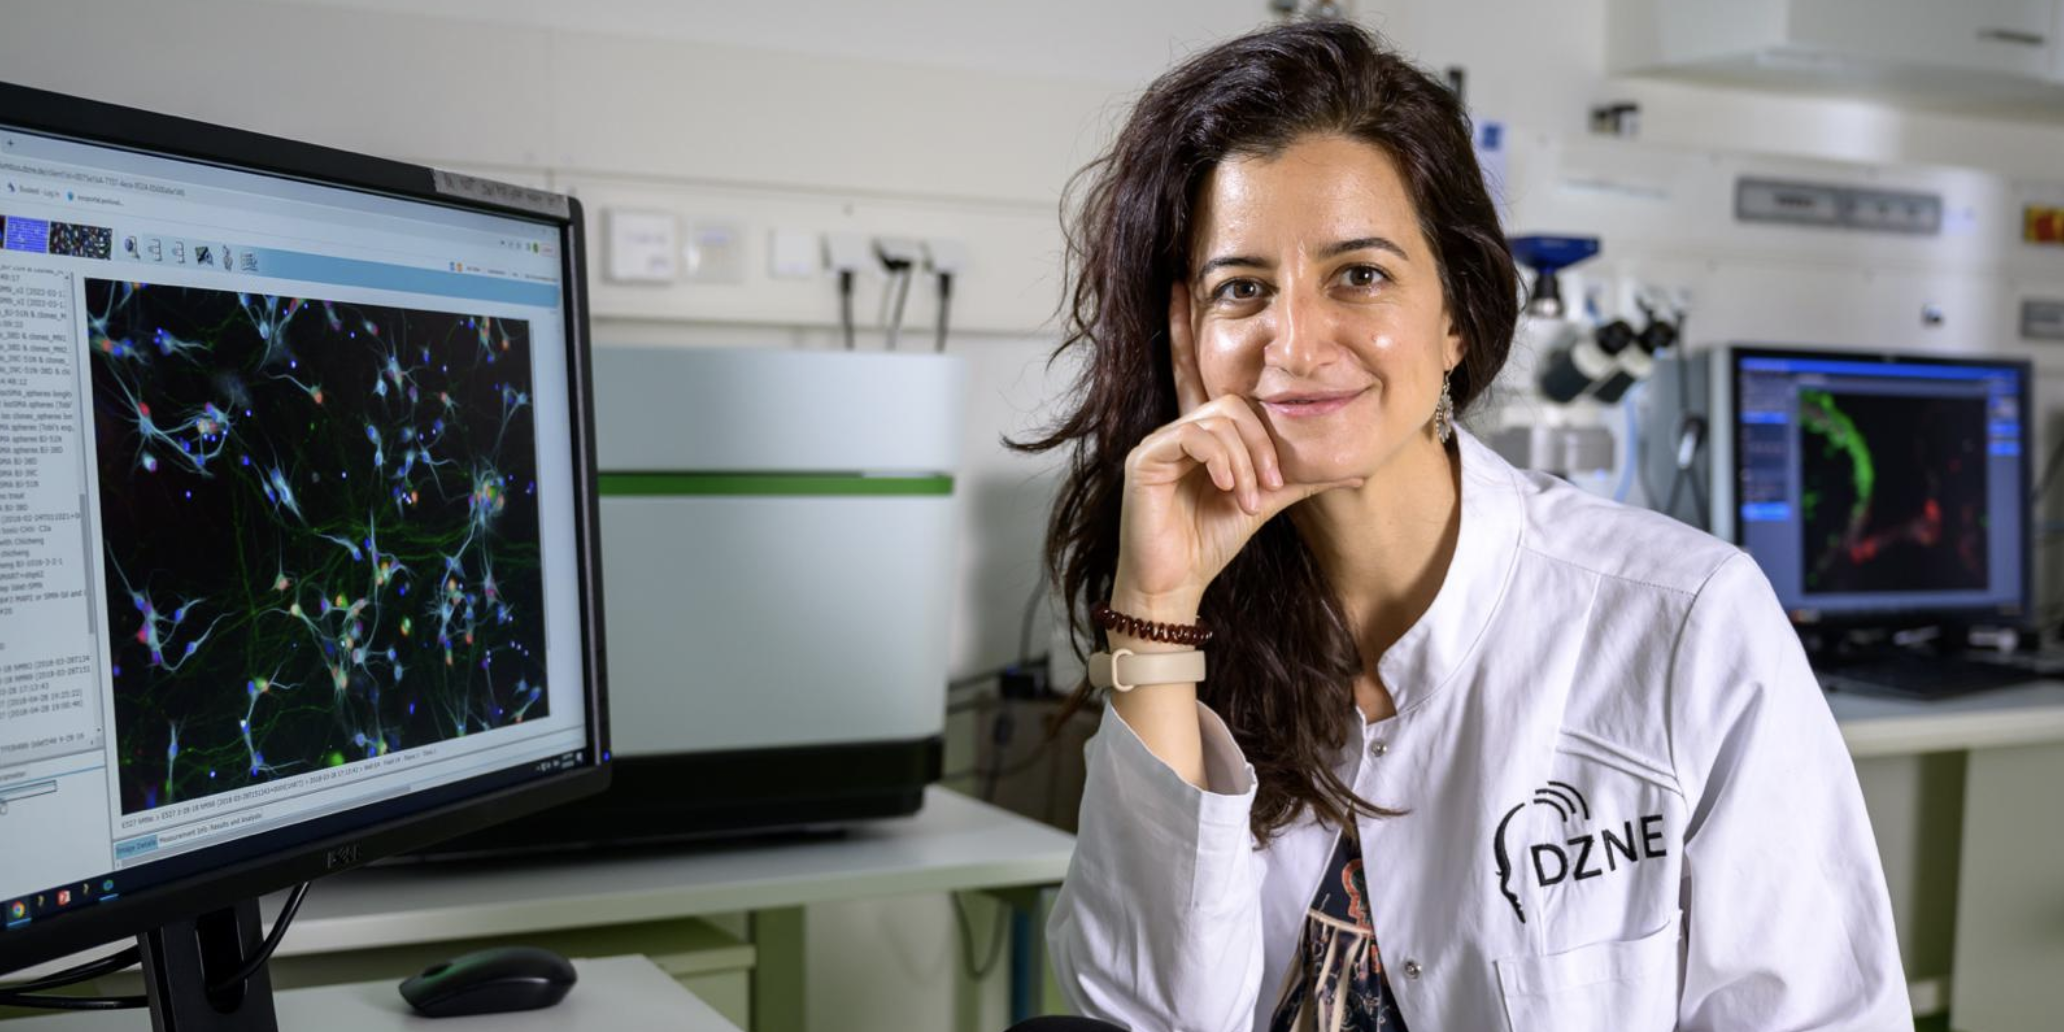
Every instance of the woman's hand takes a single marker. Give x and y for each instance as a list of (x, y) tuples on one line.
[(1195, 490)]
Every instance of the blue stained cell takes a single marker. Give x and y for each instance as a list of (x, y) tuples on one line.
[(138, 599), (191, 646), (404, 589), (179, 614), (358, 739), (150, 797), (411, 709), (211, 775), (293, 363), (118, 669), (189, 496)]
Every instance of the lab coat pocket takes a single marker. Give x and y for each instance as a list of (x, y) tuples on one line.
[(1630, 986)]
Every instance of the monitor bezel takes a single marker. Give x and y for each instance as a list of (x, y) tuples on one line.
[(243, 877), (1735, 354)]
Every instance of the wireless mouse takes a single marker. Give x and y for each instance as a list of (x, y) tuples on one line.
[(492, 981)]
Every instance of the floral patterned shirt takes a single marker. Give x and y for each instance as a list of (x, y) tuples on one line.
[(1336, 983)]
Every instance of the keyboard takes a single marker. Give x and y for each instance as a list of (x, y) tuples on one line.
[(1922, 676)]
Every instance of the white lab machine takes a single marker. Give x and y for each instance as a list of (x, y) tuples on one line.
[(778, 540)]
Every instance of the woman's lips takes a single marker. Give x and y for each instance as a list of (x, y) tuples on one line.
[(1309, 406)]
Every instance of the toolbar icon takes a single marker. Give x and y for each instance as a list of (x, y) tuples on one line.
[(179, 252), (155, 248), (203, 254), (17, 910), (64, 897), (129, 247)]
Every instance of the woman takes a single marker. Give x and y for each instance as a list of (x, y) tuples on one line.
[(1471, 749)]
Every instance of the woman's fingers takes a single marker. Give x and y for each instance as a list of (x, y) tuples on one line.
[(1282, 498), (1201, 445), (1182, 352), (1268, 466), (1246, 487)]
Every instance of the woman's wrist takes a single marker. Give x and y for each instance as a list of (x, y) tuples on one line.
[(1178, 608)]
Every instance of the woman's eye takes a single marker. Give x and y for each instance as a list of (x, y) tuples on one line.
[(1238, 290), (1362, 277)]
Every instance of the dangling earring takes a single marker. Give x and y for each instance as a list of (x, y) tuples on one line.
[(1444, 410)]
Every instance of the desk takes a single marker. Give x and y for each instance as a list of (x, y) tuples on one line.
[(2030, 714), (954, 844), (613, 993), (1988, 820)]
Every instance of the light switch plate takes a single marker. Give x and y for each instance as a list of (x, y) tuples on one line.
[(714, 253), (794, 254), (643, 246)]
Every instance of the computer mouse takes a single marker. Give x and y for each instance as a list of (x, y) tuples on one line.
[(491, 981)]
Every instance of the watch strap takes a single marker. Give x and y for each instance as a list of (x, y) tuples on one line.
[(1123, 669)]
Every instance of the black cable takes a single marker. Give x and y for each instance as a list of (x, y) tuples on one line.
[(272, 941), (1025, 626), (119, 960), (845, 280), (74, 1003), (945, 302), (903, 277), (978, 972), (26, 994)]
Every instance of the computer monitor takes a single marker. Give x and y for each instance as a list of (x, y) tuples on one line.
[(1878, 488), (297, 522)]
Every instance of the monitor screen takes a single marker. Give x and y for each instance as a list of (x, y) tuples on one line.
[(1869, 485), (288, 528)]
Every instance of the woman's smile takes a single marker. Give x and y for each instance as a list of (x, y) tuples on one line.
[(1309, 404)]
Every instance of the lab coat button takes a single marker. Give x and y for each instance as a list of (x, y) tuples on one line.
[(1377, 749), (1413, 970)]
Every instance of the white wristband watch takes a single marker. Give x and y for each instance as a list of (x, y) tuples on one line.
[(1124, 669)]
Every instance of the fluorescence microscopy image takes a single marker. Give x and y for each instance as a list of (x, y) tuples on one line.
[(320, 529), (1893, 492)]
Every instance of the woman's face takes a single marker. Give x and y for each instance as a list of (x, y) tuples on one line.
[(1316, 298)]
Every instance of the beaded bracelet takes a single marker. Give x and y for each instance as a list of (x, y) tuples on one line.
[(1195, 635)]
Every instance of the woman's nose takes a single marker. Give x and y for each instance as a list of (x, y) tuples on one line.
[(1305, 335)]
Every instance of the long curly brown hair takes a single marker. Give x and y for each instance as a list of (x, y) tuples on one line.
[(1284, 661)]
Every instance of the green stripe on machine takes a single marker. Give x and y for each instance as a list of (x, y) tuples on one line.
[(687, 485)]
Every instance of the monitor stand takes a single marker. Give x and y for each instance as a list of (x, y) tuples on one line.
[(180, 958)]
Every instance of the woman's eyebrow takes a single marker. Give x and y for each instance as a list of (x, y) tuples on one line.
[(1367, 243), (1229, 260), (1332, 250)]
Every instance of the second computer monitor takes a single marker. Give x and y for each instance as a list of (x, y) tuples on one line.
[(1882, 487)]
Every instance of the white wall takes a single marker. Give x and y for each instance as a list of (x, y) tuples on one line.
[(962, 117)]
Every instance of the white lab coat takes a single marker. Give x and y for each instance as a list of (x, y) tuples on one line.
[(1630, 809)]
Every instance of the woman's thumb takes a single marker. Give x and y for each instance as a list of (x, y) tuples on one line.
[(1290, 494)]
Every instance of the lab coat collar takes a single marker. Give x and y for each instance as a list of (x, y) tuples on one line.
[(1425, 660)]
